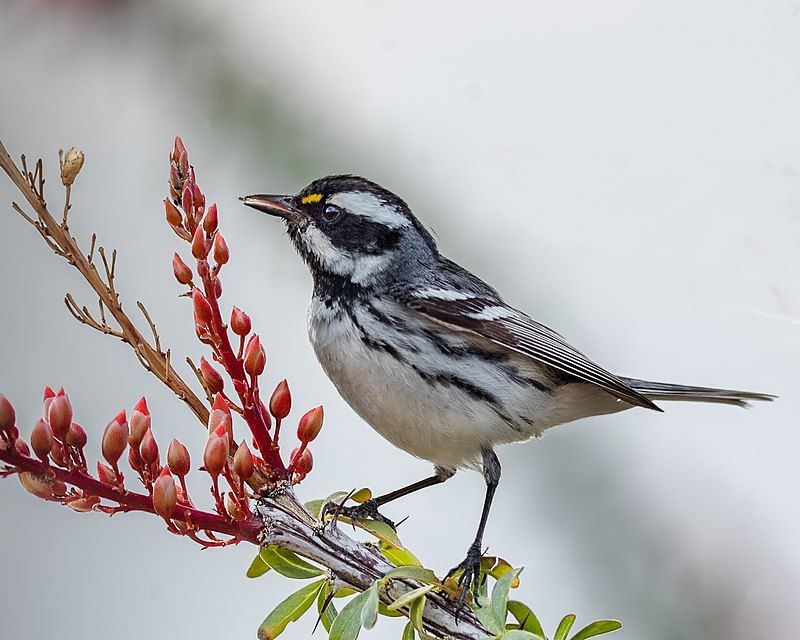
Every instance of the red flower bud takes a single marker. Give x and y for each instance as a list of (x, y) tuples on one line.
[(178, 148), (199, 198), (165, 494), (217, 288), (187, 199), (83, 504), (178, 459), (302, 463), (148, 449), (310, 425), (215, 454), (142, 407), (134, 459), (221, 403), (21, 447), (40, 486), (217, 418), (221, 252), (183, 163), (173, 215), (60, 416), (106, 474), (57, 455), (234, 509), (199, 244), (7, 415), (211, 221), (214, 381), (76, 436), (254, 357), (174, 182), (181, 270), (240, 322), (280, 404), (49, 394), (202, 310), (115, 439), (243, 463), (140, 425)]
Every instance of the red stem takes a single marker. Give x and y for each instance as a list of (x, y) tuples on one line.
[(247, 529), (248, 395)]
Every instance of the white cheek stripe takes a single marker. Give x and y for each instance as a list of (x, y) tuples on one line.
[(360, 269), (443, 294), (370, 206), (332, 258)]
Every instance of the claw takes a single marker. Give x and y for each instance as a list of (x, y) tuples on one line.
[(470, 579), (366, 510)]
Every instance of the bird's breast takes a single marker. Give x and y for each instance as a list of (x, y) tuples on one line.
[(416, 388)]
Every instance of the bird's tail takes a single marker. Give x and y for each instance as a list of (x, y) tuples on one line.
[(667, 391)]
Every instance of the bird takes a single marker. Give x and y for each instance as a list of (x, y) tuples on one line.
[(429, 355)]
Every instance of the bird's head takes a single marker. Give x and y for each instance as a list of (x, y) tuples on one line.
[(349, 228)]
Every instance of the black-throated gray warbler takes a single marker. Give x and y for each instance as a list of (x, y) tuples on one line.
[(428, 354)]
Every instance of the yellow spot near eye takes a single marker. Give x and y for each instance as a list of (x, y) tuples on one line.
[(314, 197)]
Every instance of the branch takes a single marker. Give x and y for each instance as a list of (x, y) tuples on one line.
[(288, 524), (247, 530)]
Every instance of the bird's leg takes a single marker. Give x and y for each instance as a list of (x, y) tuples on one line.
[(470, 579), (369, 508)]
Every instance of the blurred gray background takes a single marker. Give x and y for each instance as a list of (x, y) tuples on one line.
[(626, 172)]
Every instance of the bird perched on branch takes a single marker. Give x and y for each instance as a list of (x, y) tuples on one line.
[(428, 354)]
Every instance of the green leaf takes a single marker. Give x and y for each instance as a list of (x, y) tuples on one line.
[(348, 622), (564, 626), (399, 557), (526, 618), (288, 563), (409, 597), (519, 634), (257, 567), (327, 615), (497, 568), (291, 609), (414, 573), (408, 632), (369, 612), (486, 617), (362, 495), (384, 611), (597, 628), (500, 596), (415, 614), (379, 529), (314, 507)]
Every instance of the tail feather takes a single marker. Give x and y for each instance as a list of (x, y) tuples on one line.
[(668, 391)]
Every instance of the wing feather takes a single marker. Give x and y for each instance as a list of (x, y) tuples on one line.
[(492, 319)]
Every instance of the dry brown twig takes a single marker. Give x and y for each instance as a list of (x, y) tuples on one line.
[(57, 236)]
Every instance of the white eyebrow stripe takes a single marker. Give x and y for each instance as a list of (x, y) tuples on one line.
[(370, 206), (442, 294)]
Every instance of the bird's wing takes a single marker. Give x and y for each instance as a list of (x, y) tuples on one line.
[(492, 319)]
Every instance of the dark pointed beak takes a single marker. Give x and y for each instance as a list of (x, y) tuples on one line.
[(280, 206)]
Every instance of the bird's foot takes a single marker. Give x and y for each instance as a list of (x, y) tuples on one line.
[(470, 578), (367, 510)]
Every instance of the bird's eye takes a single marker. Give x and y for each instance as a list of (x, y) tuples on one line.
[(331, 213)]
